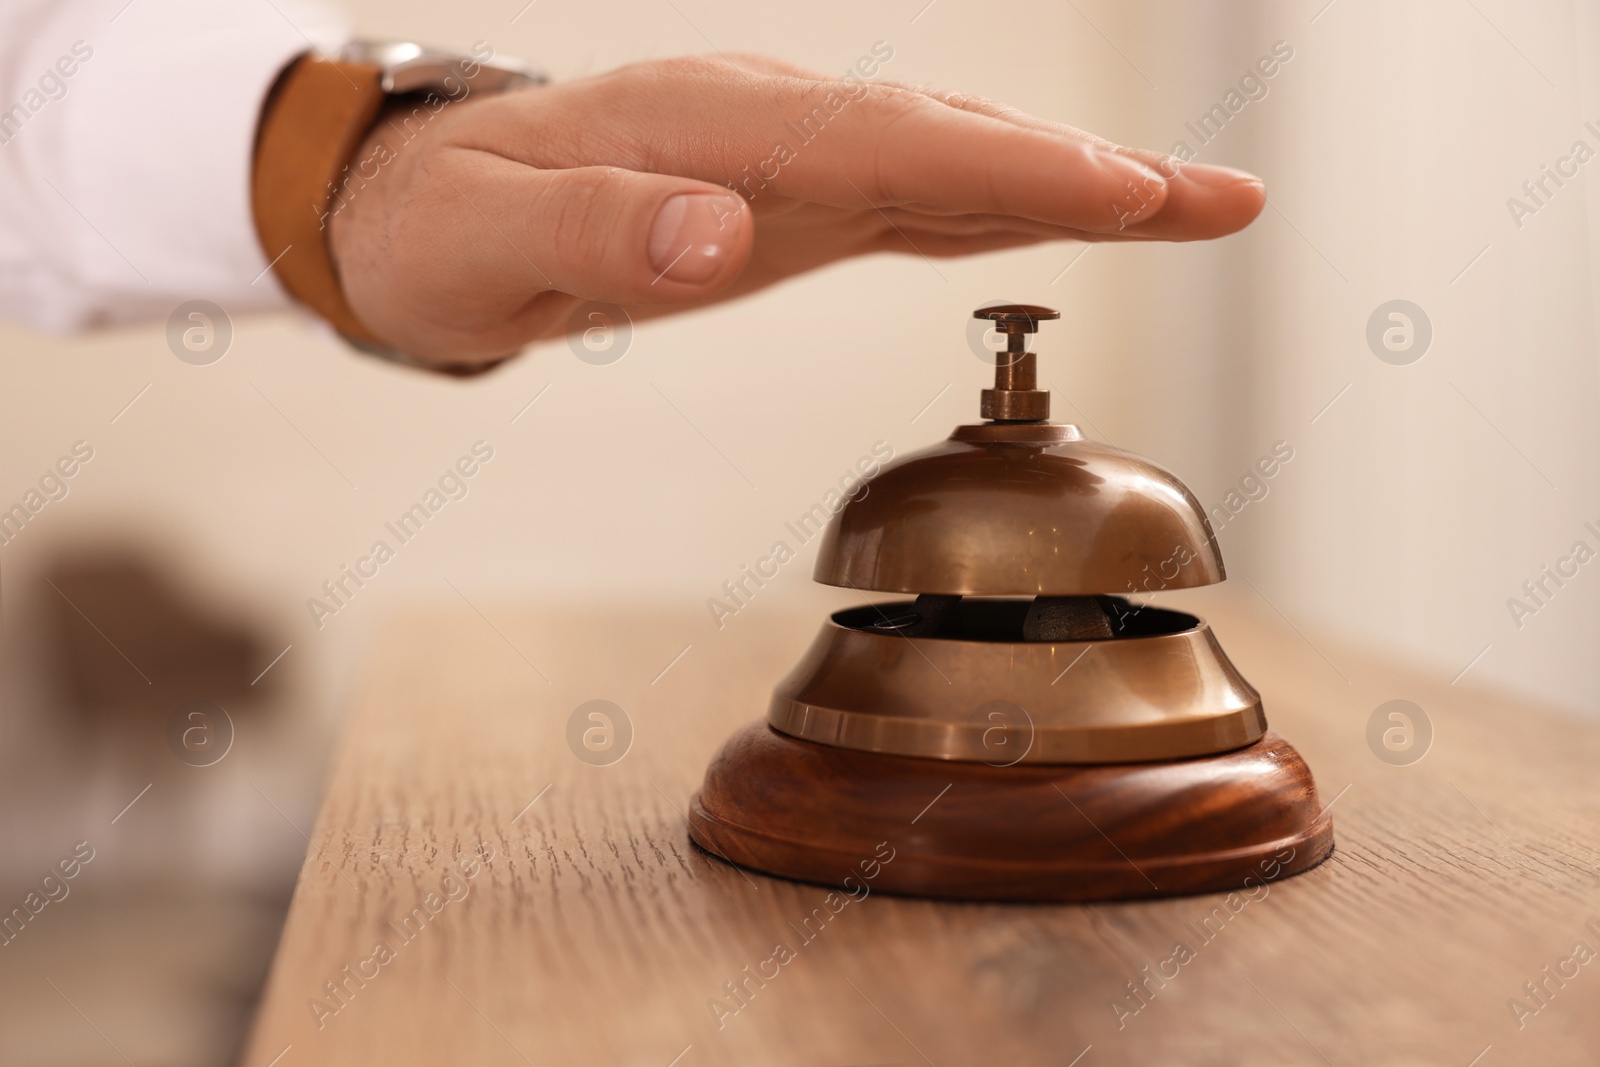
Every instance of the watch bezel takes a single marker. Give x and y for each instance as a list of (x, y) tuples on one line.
[(408, 67)]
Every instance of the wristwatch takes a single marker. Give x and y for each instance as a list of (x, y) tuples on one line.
[(314, 119)]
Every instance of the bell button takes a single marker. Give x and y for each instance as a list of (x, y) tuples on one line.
[(1015, 397)]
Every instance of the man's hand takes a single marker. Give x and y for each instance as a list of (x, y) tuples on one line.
[(485, 229)]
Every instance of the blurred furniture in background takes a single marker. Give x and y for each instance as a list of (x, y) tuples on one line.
[(165, 737), (119, 615)]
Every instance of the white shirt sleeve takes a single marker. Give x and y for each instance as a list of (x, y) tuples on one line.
[(126, 129)]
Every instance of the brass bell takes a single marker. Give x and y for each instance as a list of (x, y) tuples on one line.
[(1021, 729)]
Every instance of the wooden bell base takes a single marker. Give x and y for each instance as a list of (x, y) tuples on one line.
[(1031, 832)]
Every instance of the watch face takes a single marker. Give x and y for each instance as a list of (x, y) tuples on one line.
[(408, 67), (385, 54)]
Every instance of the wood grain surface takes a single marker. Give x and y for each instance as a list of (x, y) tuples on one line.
[(596, 934)]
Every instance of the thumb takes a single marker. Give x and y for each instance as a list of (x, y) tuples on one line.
[(604, 233), (465, 257)]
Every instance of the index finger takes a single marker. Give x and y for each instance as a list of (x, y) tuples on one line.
[(1203, 200), (847, 145)]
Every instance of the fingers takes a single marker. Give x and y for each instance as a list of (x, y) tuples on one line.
[(764, 64), (943, 246), (1203, 200), (850, 146)]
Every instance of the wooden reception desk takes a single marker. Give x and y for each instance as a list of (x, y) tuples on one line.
[(475, 893)]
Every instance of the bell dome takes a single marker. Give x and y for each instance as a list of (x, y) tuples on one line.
[(1021, 509), (1020, 506)]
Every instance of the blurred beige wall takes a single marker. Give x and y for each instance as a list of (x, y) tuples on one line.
[(1431, 492), (1413, 508)]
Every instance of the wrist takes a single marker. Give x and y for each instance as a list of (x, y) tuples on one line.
[(365, 203), (329, 136), (384, 282)]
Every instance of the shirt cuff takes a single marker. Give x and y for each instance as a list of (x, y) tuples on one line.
[(129, 190)]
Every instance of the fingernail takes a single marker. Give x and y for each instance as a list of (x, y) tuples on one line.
[(1213, 177), (692, 237), (1129, 170)]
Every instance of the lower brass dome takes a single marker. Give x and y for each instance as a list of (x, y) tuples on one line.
[(1161, 688)]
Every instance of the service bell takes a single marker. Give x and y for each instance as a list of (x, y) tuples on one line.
[(1024, 728)]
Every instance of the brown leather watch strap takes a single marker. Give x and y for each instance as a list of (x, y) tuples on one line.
[(318, 114)]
